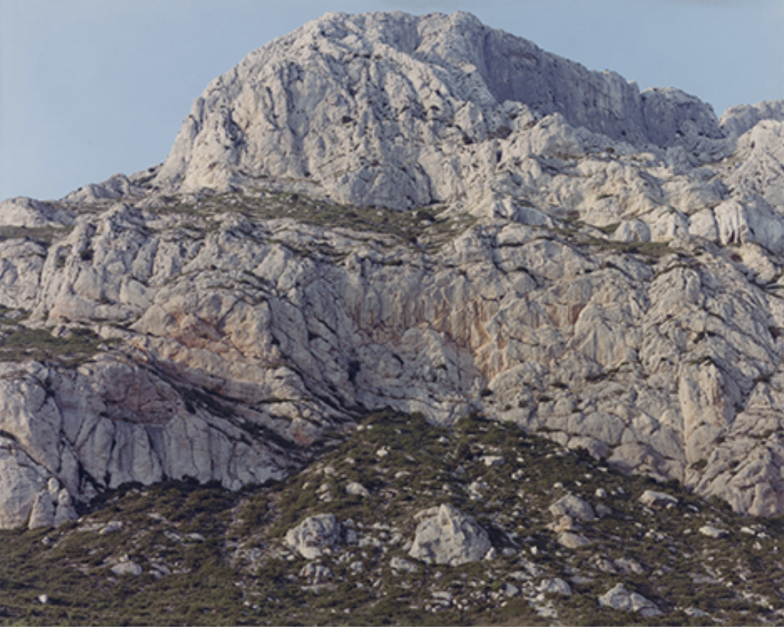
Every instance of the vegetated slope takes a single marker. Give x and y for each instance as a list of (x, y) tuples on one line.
[(559, 252), (565, 529)]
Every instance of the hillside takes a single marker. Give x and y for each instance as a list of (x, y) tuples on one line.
[(425, 218)]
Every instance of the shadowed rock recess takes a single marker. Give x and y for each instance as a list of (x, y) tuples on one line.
[(415, 213)]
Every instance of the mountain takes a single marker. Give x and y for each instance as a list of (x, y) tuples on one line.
[(417, 214)]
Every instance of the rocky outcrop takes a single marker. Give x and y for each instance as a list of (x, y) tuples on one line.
[(31, 214), (620, 598), (315, 536), (602, 267), (397, 111), (446, 535)]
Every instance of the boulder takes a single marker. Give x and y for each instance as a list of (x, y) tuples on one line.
[(315, 573), (315, 536), (448, 536), (555, 585), (712, 532), (355, 488), (652, 498), (624, 600), (401, 565), (572, 540), (127, 567), (574, 506)]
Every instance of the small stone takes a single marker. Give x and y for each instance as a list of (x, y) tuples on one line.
[(112, 527), (712, 532), (493, 460), (315, 573), (652, 498), (572, 540), (402, 565), (574, 506), (43, 599), (357, 489), (555, 585), (127, 568)]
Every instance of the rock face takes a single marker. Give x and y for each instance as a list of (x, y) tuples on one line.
[(448, 536), (397, 111), (601, 266)]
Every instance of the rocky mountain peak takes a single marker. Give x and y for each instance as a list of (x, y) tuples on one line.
[(421, 214), (389, 109)]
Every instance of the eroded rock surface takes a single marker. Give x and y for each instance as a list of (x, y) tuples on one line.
[(370, 213)]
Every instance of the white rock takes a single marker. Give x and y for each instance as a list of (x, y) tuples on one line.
[(30, 213), (357, 489), (619, 598), (315, 573), (128, 567), (712, 532), (493, 460), (574, 506), (448, 536), (572, 540), (555, 585), (402, 565), (652, 498), (315, 536)]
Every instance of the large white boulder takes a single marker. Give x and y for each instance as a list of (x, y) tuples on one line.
[(446, 535)]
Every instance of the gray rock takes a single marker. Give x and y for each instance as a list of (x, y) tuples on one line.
[(652, 498), (555, 585), (128, 567), (573, 540), (111, 527), (42, 512), (315, 536), (462, 98), (574, 506), (712, 532), (357, 489), (671, 366), (493, 460), (448, 536), (315, 573), (621, 599), (31, 213), (402, 565)]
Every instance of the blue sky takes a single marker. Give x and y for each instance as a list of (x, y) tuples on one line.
[(89, 88)]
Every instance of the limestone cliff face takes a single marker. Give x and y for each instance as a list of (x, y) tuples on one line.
[(392, 110), (411, 212)]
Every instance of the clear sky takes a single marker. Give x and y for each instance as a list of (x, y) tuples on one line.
[(89, 88)]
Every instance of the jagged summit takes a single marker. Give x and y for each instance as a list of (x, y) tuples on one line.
[(390, 109)]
